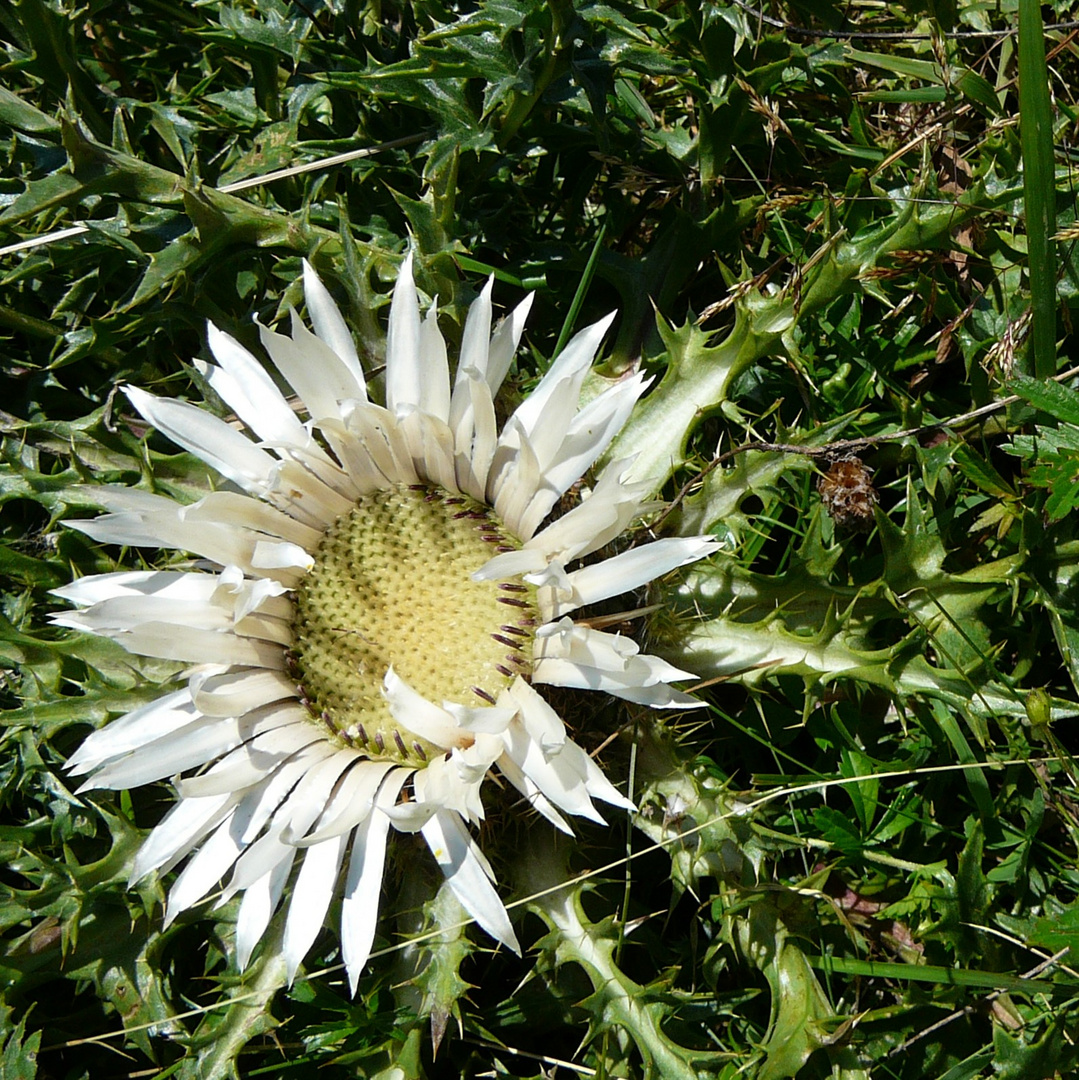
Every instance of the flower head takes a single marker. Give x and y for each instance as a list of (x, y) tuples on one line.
[(376, 604)]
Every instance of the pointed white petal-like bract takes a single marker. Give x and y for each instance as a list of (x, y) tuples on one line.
[(404, 378), (239, 691), (504, 342), (183, 827), (418, 715), (133, 730), (222, 448), (259, 903), (571, 366), (363, 884), (476, 339), (359, 915), (530, 790), (245, 385), (358, 791), (467, 873), (631, 569), (229, 508), (311, 896), (435, 368), (591, 433), (331, 327), (588, 526)]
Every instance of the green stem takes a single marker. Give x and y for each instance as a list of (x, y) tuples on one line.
[(554, 62), (221, 1036), (27, 324)]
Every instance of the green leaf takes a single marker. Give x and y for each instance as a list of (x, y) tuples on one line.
[(977, 468), (1061, 931), (932, 973), (838, 830), (978, 90), (1059, 401), (918, 96), (18, 113), (18, 1059), (1039, 188), (1022, 1057), (906, 66), (972, 890), (974, 777)]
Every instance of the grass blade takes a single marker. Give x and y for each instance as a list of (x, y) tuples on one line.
[(1039, 188), (582, 291)]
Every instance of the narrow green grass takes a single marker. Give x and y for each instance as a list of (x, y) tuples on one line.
[(1039, 188)]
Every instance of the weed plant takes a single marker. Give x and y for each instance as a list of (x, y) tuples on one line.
[(842, 238)]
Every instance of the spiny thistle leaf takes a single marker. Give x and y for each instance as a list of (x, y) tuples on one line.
[(704, 829), (242, 1014), (711, 833), (699, 376), (697, 380), (716, 506), (437, 962), (617, 1003), (803, 1020)]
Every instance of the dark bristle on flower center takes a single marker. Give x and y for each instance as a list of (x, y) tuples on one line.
[(392, 585)]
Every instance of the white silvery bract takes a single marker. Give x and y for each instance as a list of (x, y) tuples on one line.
[(375, 608)]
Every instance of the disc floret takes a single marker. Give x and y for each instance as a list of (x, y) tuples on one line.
[(391, 587)]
